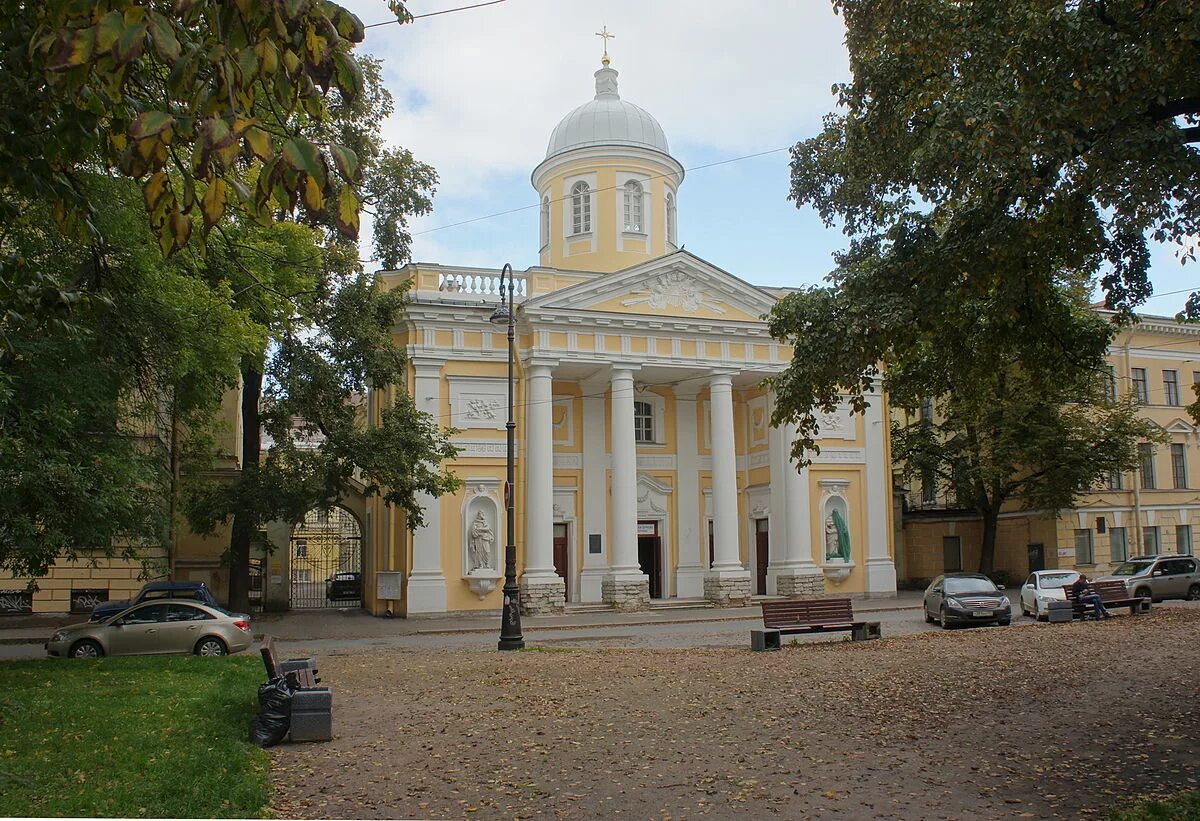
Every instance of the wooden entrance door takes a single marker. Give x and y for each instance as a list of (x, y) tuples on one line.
[(762, 555), (560, 556), (650, 556)]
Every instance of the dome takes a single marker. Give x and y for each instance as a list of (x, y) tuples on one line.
[(607, 120)]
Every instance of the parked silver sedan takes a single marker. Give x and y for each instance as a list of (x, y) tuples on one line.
[(156, 628)]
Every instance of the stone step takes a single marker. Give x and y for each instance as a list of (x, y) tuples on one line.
[(680, 604)]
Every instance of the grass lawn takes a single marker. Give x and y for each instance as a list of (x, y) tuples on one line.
[(163, 736), (1183, 807)]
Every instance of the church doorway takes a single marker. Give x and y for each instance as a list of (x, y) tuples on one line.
[(761, 555), (560, 556), (650, 556), (325, 560)]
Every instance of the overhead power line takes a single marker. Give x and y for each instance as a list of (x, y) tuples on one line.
[(597, 191), (433, 14)]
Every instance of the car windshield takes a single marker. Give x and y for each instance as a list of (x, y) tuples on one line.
[(1057, 579), (964, 586), (1132, 568)]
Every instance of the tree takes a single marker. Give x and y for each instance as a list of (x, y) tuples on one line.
[(1081, 118), (1011, 427)]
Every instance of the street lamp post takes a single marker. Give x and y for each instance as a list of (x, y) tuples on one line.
[(510, 618)]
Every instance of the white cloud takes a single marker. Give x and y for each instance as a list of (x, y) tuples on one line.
[(478, 92)]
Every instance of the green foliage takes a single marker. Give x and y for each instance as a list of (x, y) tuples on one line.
[(1073, 124), (87, 405), (131, 737)]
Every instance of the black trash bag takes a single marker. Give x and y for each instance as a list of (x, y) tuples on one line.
[(274, 718)]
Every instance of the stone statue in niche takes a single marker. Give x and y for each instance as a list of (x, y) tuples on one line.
[(837, 537), (481, 539)]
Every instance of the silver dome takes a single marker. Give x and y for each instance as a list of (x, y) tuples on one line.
[(607, 120)]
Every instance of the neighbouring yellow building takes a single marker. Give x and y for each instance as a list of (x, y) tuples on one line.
[(647, 464), (1152, 510)]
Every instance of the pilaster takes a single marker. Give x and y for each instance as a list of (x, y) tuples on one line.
[(425, 590)]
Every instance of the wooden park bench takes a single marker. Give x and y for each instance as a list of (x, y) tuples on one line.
[(794, 616), (300, 676), (1113, 593)]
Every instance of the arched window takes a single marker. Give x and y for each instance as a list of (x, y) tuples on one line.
[(643, 422), (581, 208), (545, 221), (671, 219), (633, 206)]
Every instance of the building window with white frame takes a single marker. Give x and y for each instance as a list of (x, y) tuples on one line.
[(1146, 456), (643, 422), (1171, 387), (633, 207), (671, 238), (1140, 389), (1119, 544), (581, 208), (1116, 480), (1179, 465), (1150, 540), (1183, 540), (545, 223), (1084, 553)]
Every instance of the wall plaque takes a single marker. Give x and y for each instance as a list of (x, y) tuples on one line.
[(594, 544)]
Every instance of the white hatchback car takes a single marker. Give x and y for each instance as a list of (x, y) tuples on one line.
[(1043, 586)]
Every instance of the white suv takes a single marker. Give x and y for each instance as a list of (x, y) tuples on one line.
[(1160, 577)]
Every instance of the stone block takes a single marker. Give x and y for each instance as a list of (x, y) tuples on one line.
[(542, 596), (733, 591), (626, 595), (802, 586)]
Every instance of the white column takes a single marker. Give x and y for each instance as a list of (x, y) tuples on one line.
[(626, 586), (727, 581), (799, 523), (624, 474), (693, 540), (881, 570), (539, 472), (595, 493), (542, 589), (426, 586)]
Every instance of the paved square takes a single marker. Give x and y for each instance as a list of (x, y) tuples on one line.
[(1027, 721)]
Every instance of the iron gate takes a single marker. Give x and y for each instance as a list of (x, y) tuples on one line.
[(325, 560)]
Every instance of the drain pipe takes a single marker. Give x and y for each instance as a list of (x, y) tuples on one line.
[(1137, 478)]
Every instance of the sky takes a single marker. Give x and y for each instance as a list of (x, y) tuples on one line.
[(479, 91)]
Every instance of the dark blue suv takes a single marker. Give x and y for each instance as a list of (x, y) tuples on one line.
[(196, 591)]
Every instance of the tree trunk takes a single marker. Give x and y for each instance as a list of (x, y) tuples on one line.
[(243, 523), (987, 550)]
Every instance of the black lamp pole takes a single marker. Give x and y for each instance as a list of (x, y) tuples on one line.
[(510, 618)]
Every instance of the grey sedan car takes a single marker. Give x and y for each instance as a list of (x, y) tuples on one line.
[(966, 598), (155, 628)]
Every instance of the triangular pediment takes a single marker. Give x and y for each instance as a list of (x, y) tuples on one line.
[(679, 284), (1180, 426)]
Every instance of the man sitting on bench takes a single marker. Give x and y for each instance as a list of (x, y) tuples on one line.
[(1084, 594)]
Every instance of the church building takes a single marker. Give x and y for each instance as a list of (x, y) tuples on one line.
[(647, 467)]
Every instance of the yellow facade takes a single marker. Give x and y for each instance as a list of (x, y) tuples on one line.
[(1144, 512)]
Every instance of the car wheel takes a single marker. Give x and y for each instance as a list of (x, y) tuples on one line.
[(1004, 622), (211, 646), (1143, 593), (1194, 593), (942, 618), (86, 649), (928, 618)]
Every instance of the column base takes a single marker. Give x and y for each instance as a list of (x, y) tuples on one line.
[(881, 577), (542, 595), (626, 592), (689, 581), (796, 584), (426, 593), (727, 588)]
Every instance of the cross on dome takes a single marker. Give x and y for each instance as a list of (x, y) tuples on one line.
[(605, 35)]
